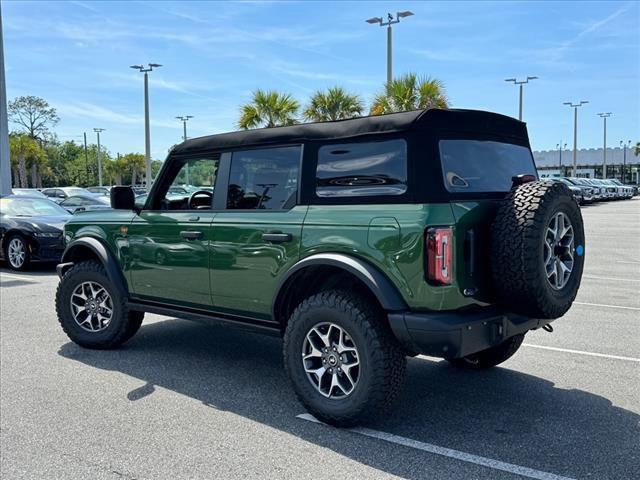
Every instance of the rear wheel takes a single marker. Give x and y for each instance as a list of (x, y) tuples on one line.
[(491, 356), (91, 310), (343, 361)]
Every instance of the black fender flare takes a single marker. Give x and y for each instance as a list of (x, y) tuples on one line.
[(104, 255), (378, 283)]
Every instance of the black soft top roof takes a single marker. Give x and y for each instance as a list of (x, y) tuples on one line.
[(429, 120)]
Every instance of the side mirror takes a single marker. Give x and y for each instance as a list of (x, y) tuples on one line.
[(123, 198)]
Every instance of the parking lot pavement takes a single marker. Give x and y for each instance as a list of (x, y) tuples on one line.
[(184, 400)]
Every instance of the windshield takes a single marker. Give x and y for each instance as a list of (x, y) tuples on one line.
[(483, 166), (30, 207)]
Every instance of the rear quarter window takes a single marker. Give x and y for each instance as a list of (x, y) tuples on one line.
[(483, 166), (362, 169)]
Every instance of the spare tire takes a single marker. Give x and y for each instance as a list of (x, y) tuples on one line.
[(537, 250)]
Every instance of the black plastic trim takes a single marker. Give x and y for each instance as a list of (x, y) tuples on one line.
[(105, 256), (455, 334), (386, 293)]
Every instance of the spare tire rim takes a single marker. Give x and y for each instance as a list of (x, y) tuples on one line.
[(91, 306), (331, 361), (559, 250)]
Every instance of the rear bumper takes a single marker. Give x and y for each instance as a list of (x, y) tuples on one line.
[(457, 334)]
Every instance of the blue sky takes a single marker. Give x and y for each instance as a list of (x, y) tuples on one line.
[(76, 55)]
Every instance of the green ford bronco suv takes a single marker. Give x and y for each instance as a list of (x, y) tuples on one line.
[(360, 242)]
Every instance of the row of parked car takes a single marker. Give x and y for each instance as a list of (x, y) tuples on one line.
[(589, 190)]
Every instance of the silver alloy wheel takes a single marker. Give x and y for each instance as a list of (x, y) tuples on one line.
[(559, 250), (16, 252), (91, 306), (331, 360)]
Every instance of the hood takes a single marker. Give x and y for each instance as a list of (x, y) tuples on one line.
[(44, 223)]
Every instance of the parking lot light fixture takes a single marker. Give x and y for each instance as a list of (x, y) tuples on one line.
[(184, 119), (98, 131), (604, 116), (575, 132), (147, 135), (391, 20), (624, 159), (520, 83)]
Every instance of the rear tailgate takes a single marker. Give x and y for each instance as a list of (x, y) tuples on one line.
[(478, 174)]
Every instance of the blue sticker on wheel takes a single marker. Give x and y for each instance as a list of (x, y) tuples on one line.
[(579, 250)]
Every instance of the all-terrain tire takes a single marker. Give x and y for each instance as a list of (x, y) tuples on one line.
[(518, 250), (491, 356), (123, 324), (382, 360)]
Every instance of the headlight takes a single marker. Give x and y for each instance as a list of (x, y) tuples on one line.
[(47, 234)]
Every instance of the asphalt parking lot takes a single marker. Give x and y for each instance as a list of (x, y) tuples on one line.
[(184, 400)]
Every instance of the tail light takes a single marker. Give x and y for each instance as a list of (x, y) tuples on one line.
[(438, 246)]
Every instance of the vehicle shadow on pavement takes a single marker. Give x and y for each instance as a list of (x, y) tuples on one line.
[(500, 413)]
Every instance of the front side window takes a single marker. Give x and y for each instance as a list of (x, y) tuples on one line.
[(362, 169), (264, 179), (483, 166), (192, 188)]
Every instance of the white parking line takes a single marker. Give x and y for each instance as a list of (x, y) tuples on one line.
[(447, 452), (582, 352), (596, 277), (606, 306), (15, 277)]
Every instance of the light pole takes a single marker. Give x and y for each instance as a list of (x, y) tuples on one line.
[(184, 119), (147, 135), (98, 130), (624, 158), (604, 116), (559, 146), (390, 21), (5, 161), (520, 83), (575, 133)]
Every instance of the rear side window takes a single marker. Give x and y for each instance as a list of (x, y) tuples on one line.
[(362, 169), (265, 179), (483, 166)]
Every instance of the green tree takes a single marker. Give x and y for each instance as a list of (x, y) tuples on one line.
[(134, 166), (334, 104), (268, 109), (23, 150), (410, 92), (33, 115), (636, 150)]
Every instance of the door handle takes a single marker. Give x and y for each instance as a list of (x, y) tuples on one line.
[(195, 218), (277, 237), (191, 235)]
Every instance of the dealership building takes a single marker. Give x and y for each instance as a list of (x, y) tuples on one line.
[(554, 163)]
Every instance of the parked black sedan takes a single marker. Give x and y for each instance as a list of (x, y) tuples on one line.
[(30, 230)]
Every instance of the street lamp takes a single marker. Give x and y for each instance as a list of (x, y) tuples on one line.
[(575, 132), (604, 116), (624, 158), (147, 135), (390, 21), (560, 147), (98, 130), (184, 119), (520, 83)]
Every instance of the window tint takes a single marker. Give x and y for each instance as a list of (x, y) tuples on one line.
[(362, 169), (265, 179), (72, 202), (483, 166), (195, 175)]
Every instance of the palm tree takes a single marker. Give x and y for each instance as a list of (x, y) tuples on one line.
[(410, 92), (268, 109), (334, 104), (22, 149)]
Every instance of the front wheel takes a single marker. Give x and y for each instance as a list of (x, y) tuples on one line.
[(491, 356), (342, 358), (90, 309), (16, 253)]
